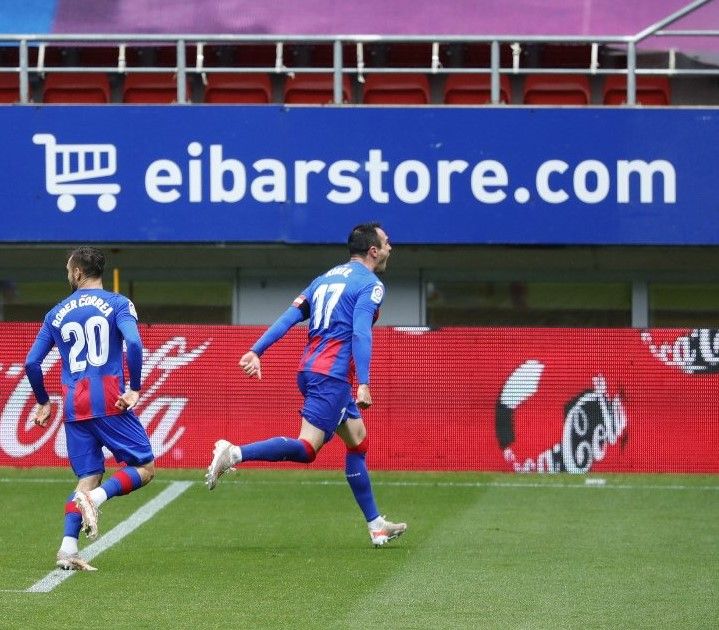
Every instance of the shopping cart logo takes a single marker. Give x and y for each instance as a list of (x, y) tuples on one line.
[(70, 169)]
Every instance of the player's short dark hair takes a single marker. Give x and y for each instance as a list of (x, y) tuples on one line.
[(362, 237), (89, 260)]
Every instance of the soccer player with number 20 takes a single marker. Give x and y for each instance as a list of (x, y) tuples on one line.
[(88, 328)]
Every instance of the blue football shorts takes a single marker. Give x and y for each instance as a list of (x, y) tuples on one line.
[(122, 434), (328, 402)]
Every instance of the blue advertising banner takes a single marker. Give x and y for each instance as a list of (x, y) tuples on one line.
[(304, 174)]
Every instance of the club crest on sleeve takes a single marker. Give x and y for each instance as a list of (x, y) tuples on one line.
[(377, 293), (131, 308)]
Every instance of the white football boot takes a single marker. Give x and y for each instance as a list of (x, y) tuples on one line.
[(221, 463), (386, 531), (72, 562), (88, 509)]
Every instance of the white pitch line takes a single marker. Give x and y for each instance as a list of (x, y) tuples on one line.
[(609, 485), (482, 484), (115, 535)]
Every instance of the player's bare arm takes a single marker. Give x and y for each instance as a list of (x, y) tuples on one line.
[(364, 398), (41, 414), (250, 363)]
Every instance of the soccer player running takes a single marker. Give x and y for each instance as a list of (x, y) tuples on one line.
[(341, 306), (88, 328)]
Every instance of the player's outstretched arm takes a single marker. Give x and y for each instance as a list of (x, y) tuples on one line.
[(250, 361), (274, 333)]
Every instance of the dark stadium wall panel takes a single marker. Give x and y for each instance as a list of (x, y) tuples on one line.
[(484, 399)]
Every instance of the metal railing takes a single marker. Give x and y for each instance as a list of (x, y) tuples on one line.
[(338, 68)]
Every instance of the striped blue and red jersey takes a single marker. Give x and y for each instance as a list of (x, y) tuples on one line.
[(88, 328), (341, 306)]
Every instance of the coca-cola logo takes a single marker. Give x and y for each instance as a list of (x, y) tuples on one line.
[(160, 413), (593, 421), (694, 353)]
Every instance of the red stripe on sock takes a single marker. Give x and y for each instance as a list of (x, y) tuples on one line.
[(125, 481), (311, 453), (361, 447), (71, 508)]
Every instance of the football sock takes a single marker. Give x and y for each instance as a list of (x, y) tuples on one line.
[(73, 522), (235, 454), (98, 496), (278, 449), (69, 544), (376, 523), (359, 480), (123, 481)]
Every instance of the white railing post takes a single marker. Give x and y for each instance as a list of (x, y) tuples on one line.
[(337, 73), (494, 78), (632, 74), (24, 73), (181, 72)]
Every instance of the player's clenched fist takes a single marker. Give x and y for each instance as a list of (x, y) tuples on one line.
[(250, 363), (41, 414)]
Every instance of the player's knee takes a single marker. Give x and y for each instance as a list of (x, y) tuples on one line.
[(360, 448)]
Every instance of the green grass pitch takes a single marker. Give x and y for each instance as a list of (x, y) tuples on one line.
[(289, 549)]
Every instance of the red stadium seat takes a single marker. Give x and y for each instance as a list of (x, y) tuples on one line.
[(9, 87), (230, 87), (475, 89), (396, 89), (557, 89), (315, 89), (651, 90), (76, 87), (151, 88)]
